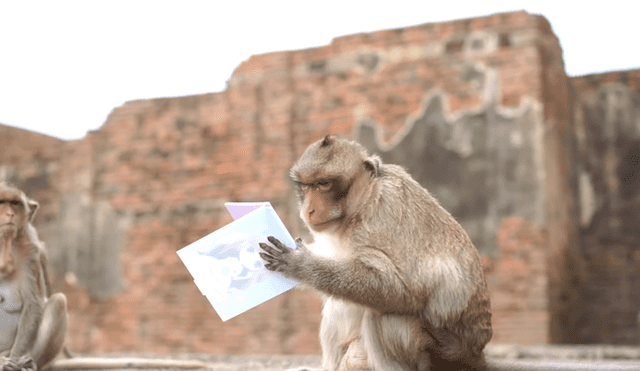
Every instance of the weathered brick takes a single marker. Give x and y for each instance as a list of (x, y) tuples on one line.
[(166, 165)]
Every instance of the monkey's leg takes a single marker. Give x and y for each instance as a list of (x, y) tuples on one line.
[(52, 330), (395, 343), (355, 359), (341, 323)]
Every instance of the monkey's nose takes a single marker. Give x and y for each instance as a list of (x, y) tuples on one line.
[(311, 212)]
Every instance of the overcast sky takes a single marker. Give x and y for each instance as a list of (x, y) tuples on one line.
[(64, 65)]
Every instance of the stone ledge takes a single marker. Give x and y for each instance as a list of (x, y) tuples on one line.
[(501, 357), (563, 352)]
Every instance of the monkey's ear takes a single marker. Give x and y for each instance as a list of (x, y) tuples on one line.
[(372, 164), (32, 206), (327, 140)]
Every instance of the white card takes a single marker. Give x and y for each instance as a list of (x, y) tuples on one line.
[(226, 266), (240, 209)]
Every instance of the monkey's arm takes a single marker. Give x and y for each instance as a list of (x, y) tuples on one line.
[(369, 278), (32, 295), (44, 264)]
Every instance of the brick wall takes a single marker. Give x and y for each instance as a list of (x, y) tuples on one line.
[(519, 284), (607, 130), (161, 171), (118, 203)]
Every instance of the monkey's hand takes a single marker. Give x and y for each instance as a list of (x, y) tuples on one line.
[(25, 363), (4, 362), (282, 258)]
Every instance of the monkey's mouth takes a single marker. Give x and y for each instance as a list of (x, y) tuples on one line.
[(318, 224), (323, 225)]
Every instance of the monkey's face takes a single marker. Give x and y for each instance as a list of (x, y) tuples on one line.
[(12, 216), (330, 177), (16, 210), (322, 202)]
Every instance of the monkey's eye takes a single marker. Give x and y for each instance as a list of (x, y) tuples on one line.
[(14, 202), (324, 185), (303, 186)]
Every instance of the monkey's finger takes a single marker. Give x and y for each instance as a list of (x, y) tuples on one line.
[(266, 257), (270, 267), (26, 363), (269, 249), (278, 244)]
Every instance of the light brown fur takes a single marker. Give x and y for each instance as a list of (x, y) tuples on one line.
[(34, 322), (402, 280)]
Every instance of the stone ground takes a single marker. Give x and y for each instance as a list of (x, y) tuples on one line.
[(212, 362), (501, 358)]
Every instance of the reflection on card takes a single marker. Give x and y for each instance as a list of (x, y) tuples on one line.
[(226, 266)]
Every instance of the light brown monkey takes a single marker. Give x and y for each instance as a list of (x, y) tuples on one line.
[(401, 278), (33, 322)]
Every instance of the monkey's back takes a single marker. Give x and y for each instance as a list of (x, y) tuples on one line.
[(400, 213), (430, 249)]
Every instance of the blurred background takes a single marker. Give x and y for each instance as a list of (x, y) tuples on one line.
[(534, 150)]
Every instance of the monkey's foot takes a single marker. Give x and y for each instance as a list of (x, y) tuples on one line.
[(25, 363), (355, 359)]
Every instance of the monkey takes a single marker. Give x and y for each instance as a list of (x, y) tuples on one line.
[(400, 278), (34, 321)]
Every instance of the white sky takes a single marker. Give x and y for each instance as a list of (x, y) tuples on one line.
[(64, 65)]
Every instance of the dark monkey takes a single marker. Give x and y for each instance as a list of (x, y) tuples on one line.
[(400, 276), (33, 322)]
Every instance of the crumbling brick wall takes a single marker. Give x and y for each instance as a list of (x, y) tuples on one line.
[(606, 111), (484, 99)]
